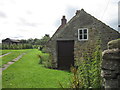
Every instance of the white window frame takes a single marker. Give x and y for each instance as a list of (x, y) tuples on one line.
[(82, 34)]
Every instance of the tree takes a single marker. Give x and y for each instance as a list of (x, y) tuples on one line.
[(45, 39)]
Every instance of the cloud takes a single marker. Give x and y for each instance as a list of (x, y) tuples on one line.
[(2, 14), (13, 1), (111, 15), (114, 24), (17, 37), (57, 23), (34, 18), (119, 13), (70, 11), (29, 12), (24, 22)]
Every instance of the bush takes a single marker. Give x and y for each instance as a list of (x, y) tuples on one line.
[(17, 46), (36, 46), (88, 75), (41, 59), (45, 59)]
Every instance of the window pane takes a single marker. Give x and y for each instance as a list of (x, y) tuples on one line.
[(85, 31), (80, 31), (85, 36), (80, 37)]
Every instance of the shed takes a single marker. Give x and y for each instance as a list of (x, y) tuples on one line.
[(77, 36), (10, 41)]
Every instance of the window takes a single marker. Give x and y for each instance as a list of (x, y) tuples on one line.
[(83, 34)]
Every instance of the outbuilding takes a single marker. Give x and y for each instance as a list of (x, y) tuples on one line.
[(10, 41), (76, 37)]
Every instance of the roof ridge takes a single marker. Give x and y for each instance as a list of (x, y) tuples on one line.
[(78, 13)]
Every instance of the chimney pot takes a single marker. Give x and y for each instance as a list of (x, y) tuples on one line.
[(63, 20)]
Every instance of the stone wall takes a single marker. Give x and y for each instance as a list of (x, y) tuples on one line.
[(111, 65)]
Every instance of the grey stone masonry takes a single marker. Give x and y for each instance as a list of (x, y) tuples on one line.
[(111, 65)]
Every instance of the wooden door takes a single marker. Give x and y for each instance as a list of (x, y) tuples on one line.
[(65, 52)]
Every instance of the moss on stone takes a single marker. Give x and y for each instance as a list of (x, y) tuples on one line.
[(114, 44)]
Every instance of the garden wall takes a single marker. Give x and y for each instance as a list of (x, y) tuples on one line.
[(111, 65)]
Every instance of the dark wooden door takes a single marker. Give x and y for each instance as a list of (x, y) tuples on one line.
[(65, 54)]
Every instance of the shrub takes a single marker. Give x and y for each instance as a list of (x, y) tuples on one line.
[(45, 59), (41, 58), (75, 82), (88, 74), (90, 70), (48, 62), (17, 46)]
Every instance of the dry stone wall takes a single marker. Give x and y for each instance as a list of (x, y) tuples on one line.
[(111, 65)]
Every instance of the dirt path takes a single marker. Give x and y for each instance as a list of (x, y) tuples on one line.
[(5, 66), (5, 54)]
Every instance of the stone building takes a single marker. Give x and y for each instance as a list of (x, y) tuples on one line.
[(77, 36)]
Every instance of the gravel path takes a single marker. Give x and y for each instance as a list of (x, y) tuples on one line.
[(5, 66), (5, 54)]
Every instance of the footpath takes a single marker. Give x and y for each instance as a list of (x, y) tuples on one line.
[(5, 54), (5, 66)]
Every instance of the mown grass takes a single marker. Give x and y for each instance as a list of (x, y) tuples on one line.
[(14, 54), (0, 52), (5, 51), (27, 73)]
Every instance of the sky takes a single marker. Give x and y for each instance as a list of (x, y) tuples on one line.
[(24, 19)]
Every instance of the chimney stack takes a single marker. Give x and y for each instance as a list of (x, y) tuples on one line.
[(77, 12), (63, 20)]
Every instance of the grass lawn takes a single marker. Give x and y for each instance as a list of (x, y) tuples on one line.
[(27, 73), (14, 54), (0, 52), (5, 51)]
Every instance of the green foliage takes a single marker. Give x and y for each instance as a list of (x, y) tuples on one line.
[(48, 62), (45, 59), (36, 41), (36, 46), (90, 70), (41, 59), (88, 74), (0, 45), (44, 40), (17, 46), (27, 44), (74, 82)]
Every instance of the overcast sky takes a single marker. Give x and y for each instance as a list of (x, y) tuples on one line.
[(23, 19)]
